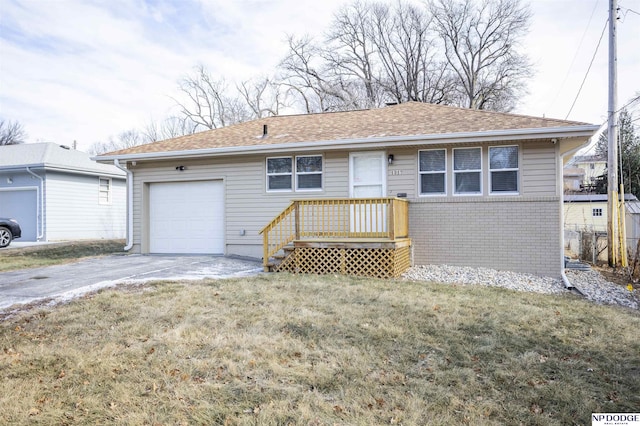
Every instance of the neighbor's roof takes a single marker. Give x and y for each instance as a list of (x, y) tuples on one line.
[(403, 120), (589, 158), (571, 171), (594, 198), (52, 156), (633, 207)]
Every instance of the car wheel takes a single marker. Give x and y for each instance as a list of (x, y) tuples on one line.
[(5, 236)]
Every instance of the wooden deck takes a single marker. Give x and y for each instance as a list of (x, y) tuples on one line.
[(366, 237)]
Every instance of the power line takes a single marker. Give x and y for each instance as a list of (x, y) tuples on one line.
[(574, 56), (627, 10), (637, 98), (588, 69)]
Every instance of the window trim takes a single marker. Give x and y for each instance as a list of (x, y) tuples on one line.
[(480, 171), (445, 172), (294, 174), (517, 170), (267, 174), (108, 191), (321, 173)]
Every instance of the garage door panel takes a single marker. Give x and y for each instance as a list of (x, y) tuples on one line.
[(21, 205), (186, 217)]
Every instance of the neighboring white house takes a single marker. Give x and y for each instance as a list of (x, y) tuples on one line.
[(57, 193), (632, 209), (588, 213), (582, 172)]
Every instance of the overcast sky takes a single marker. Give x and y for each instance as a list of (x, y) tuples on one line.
[(86, 70)]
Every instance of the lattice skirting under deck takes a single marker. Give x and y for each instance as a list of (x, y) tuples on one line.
[(369, 262)]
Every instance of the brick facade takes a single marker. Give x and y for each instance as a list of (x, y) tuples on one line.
[(512, 233)]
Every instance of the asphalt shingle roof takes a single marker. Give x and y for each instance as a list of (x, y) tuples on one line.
[(406, 119)]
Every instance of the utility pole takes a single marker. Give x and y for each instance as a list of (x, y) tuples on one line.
[(612, 136)]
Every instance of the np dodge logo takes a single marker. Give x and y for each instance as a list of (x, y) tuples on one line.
[(615, 419)]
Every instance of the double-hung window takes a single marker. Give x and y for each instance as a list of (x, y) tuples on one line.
[(467, 171), (104, 190), (503, 169), (279, 174), (309, 173), (432, 168), (305, 170)]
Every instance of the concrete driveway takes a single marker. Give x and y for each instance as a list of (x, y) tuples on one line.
[(63, 282)]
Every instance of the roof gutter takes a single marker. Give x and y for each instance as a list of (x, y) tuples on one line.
[(388, 141), (39, 223), (129, 204), (46, 167)]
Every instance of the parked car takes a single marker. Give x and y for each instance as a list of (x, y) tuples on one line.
[(9, 230)]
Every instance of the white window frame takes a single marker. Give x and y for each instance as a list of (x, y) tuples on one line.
[(266, 163), (321, 173), (101, 192), (443, 172), (596, 210), (294, 174), (453, 159), (517, 170)]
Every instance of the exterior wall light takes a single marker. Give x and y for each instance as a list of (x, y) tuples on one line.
[(390, 159)]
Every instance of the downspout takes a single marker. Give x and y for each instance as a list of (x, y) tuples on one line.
[(129, 204), (565, 280), (39, 223)]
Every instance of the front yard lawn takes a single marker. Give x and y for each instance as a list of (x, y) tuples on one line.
[(279, 349), (55, 254)]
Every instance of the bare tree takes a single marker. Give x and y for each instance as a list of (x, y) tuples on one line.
[(210, 103), (480, 42), (304, 75), (374, 53), (411, 69), (169, 128), (207, 104), (459, 52), (124, 140), (352, 52), (11, 133), (262, 96)]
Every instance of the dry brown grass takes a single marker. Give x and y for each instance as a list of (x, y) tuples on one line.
[(55, 254), (281, 349)]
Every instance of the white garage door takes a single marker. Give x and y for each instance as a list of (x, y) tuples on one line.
[(186, 217), (21, 205)]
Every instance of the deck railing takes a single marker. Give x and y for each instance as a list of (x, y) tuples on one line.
[(336, 218)]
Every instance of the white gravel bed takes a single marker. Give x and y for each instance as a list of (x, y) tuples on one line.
[(597, 289), (590, 283)]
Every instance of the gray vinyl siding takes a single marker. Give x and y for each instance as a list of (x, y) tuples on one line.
[(73, 211), (539, 169), (248, 205), (402, 175)]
